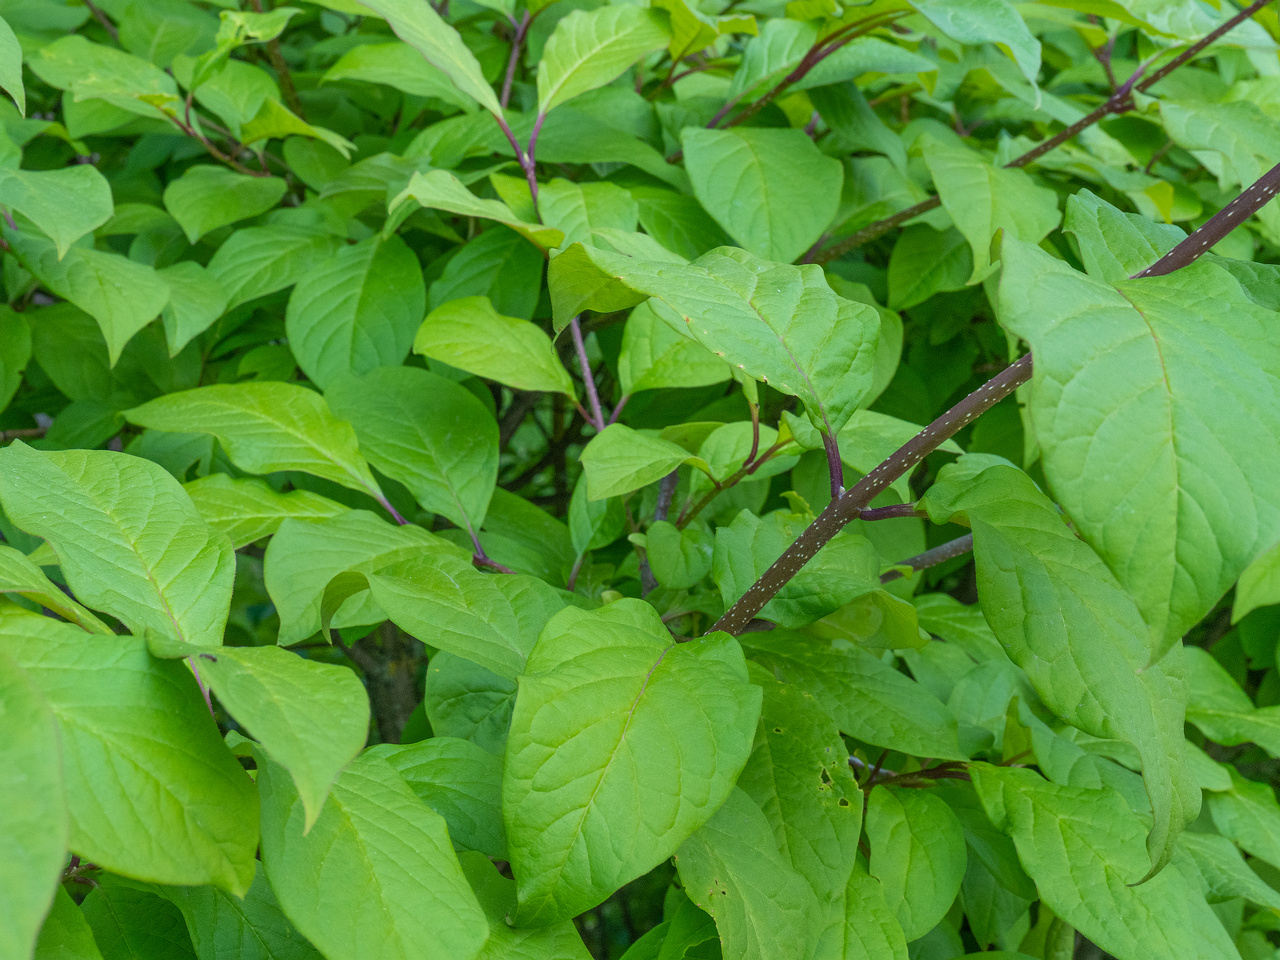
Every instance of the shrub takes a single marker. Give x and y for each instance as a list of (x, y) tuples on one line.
[(465, 492)]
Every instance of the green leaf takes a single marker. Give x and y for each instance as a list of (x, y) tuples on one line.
[(441, 190), (247, 510), (256, 261), (590, 48), (266, 428), (471, 335), (771, 190), (397, 65), (127, 536), (15, 351), (465, 700), (11, 67), (1224, 712), (304, 556), (375, 875), (1115, 245), (65, 934), (620, 460), (799, 775), (207, 197), (679, 558), (845, 568), (1061, 616), (358, 311), (1084, 850), (428, 433), (497, 895), (777, 323), (1249, 816), (656, 355), (254, 927), (622, 744), (65, 204), (33, 819), (926, 261), (460, 781), (917, 853), (311, 718), (732, 869), (491, 620), (123, 296), (584, 212), (1177, 376), (871, 931), (426, 32), (20, 575), (96, 71), (196, 300), (1259, 585), (868, 699), (984, 200), (129, 922), (1224, 871), (986, 21), (152, 791)]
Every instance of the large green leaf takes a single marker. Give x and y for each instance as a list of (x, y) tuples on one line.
[(425, 31), (441, 190), (375, 875), (427, 432), (1259, 584), (986, 21), (128, 538), (358, 310), (1084, 850), (984, 199), (66, 934), (398, 65), (469, 334), (867, 698), (622, 743), (196, 300), (1064, 619), (15, 351), (465, 700), (207, 197), (265, 428), (777, 323), (132, 923), (497, 895), (311, 718), (1248, 816), (656, 355), (619, 460), (1223, 712), (590, 48), (20, 575), (731, 868), (121, 294), (248, 510), (252, 928), (871, 932), (89, 70), (491, 620), (1176, 378), (11, 67), (65, 204), (33, 818), (256, 261), (917, 853), (771, 190), (304, 556), (152, 791), (458, 780)]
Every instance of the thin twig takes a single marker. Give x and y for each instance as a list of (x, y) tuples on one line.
[(102, 19), (931, 558), (596, 418), (276, 58), (517, 45)]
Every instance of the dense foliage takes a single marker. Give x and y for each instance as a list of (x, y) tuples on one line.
[(464, 492)]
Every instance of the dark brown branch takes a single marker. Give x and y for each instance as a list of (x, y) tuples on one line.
[(931, 558), (1218, 226), (891, 512), (848, 506), (101, 17), (1120, 101), (21, 432)]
